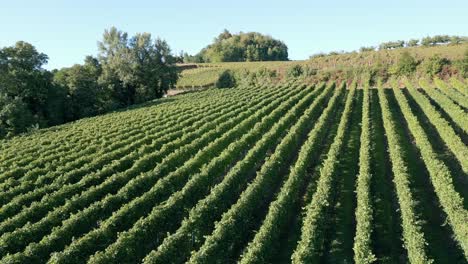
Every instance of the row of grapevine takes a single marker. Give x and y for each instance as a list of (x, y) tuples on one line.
[(58, 182), (117, 127), (280, 211), (70, 132), (139, 166), (77, 224), (217, 245), (364, 208), (59, 142), (441, 179), (117, 140), (125, 217), (171, 146), (126, 247), (455, 95), (111, 183), (445, 130), (462, 87), (177, 246), (413, 237), (311, 236), (455, 112)]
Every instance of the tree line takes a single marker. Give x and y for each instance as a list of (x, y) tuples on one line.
[(425, 42), (127, 71), (390, 45)]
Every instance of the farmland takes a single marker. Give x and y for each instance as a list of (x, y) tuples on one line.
[(294, 171)]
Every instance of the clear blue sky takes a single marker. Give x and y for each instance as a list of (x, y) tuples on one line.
[(67, 30)]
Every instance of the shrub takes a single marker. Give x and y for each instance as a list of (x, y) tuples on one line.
[(406, 65), (462, 65), (412, 43), (365, 49), (226, 80), (309, 71), (295, 71), (433, 65)]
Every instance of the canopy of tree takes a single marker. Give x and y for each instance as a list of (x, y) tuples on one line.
[(127, 71), (250, 46)]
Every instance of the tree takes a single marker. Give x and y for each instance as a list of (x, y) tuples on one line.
[(435, 40), (365, 49), (412, 43), (86, 97), (57, 109), (426, 41), (392, 45), (224, 35), (15, 117), (433, 65), (250, 46), (462, 65), (406, 64), (226, 80), (197, 58), (23, 80), (137, 69), (295, 71)]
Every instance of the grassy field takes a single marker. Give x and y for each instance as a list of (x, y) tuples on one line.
[(291, 172), (206, 74)]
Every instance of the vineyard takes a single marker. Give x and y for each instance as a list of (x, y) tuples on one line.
[(332, 172)]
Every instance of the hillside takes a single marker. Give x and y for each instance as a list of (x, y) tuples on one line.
[(269, 173), (206, 74)]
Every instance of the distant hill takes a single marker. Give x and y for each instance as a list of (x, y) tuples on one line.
[(206, 74)]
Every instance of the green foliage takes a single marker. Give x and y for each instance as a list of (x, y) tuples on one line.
[(185, 178), (85, 96), (29, 87), (406, 65), (433, 65), (135, 70), (226, 80), (462, 65), (250, 46), (440, 175), (219, 245), (365, 49), (128, 71), (412, 43), (295, 71), (15, 117), (392, 45), (255, 77), (413, 237), (312, 232), (364, 209), (266, 239), (435, 40), (309, 70), (447, 133)]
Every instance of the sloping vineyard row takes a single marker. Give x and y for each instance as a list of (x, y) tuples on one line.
[(271, 173)]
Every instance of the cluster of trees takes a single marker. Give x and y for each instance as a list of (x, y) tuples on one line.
[(426, 42), (251, 46), (443, 39), (127, 71), (392, 45)]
